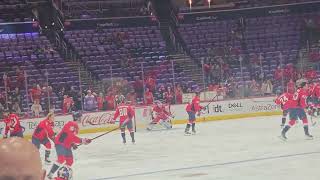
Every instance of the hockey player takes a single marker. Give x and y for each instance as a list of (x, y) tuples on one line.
[(314, 105), (192, 109), (296, 109), (126, 114), (13, 126), (42, 134), (160, 115), (282, 100), (65, 140)]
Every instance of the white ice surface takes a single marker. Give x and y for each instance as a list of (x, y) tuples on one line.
[(246, 149)]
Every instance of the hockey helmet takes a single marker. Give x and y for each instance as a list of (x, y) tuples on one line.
[(64, 173), (121, 99), (76, 115), (301, 83)]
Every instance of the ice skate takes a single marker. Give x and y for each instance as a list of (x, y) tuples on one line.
[(283, 137), (309, 137)]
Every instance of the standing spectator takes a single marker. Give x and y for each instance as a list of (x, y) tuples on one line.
[(35, 93), (16, 108), (90, 102), (20, 78), (151, 84), (291, 87), (148, 97), (67, 104), (132, 97), (207, 68), (179, 94), (278, 73), (110, 101), (76, 96), (16, 97), (138, 87), (169, 96), (36, 108), (254, 88), (7, 80), (100, 101), (310, 74)]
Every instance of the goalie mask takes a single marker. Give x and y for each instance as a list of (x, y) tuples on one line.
[(64, 173)]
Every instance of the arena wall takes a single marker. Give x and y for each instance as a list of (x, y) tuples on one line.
[(219, 110)]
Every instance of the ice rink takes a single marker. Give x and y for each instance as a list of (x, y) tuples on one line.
[(243, 149)]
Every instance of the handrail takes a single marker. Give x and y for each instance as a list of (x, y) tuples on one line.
[(112, 18)]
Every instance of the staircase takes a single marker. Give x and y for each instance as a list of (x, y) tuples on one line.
[(190, 68), (86, 77), (163, 12)]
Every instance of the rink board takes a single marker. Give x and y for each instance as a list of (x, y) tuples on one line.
[(219, 110)]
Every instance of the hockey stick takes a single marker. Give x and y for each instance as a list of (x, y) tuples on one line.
[(105, 133)]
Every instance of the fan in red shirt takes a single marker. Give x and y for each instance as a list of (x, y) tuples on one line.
[(42, 134), (169, 95), (282, 100), (100, 101), (110, 101), (64, 141), (126, 114), (160, 115), (193, 108), (179, 94), (67, 103), (148, 96), (12, 126), (296, 109), (310, 74), (151, 84), (35, 93)]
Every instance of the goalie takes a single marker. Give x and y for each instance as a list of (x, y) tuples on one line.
[(160, 116)]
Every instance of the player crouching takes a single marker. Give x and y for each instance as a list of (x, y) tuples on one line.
[(12, 127), (296, 110), (42, 134), (126, 114), (193, 108), (160, 116), (65, 140), (283, 100)]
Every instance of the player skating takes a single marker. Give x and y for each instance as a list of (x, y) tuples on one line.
[(65, 140), (160, 116), (296, 110), (126, 114), (283, 100), (12, 127), (192, 109), (314, 105), (42, 134)]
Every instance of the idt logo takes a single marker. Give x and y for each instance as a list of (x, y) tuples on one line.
[(217, 108)]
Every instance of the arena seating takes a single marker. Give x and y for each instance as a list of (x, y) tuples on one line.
[(14, 11), (142, 44), (24, 51), (266, 36)]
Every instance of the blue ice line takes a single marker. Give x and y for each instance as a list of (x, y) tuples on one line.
[(211, 165)]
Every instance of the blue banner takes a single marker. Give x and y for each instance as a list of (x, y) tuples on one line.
[(24, 27)]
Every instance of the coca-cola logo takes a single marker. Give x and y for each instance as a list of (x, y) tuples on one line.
[(96, 120)]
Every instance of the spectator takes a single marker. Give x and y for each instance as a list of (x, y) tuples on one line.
[(207, 68), (310, 74), (76, 96), (110, 101), (138, 87), (291, 87), (67, 104), (20, 78), (35, 93), (254, 88), (267, 88), (8, 81), (100, 101), (151, 84), (278, 73), (36, 108), (90, 102), (16, 108), (16, 97), (178, 94), (148, 97), (169, 96), (132, 97)]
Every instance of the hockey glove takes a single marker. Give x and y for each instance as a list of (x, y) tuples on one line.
[(74, 146), (86, 141)]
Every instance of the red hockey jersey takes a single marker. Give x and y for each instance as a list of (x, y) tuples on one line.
[(283, 99), (68, 135), (44, 130), (299, 99), (12, 124), (124, 112)]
